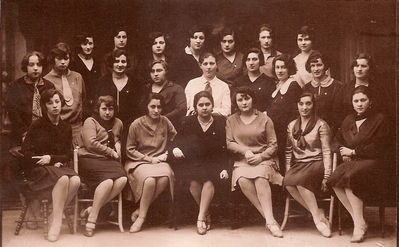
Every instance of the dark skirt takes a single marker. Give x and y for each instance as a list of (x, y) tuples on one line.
[(364, 177), (201, 171), (94, 171), (308, 175), (41, 180)]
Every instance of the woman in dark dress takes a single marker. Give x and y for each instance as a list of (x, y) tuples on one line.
[(282, 108), (99, 158), (308, 159), (361, 141), (266, 44), (202, 147), (326, 90), (47, 150), (88, 66), (262, 85)]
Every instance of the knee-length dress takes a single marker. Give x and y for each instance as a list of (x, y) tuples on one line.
[(45, 138), (364, 173), (95, 155), (204, 151), (144, 142), (257, 136), (306, 166)]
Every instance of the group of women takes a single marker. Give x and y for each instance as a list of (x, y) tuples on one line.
[(138, 123)]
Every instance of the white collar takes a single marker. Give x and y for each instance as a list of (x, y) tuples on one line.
[(325, 83), (283, 88), (204, 80), (188, 51)]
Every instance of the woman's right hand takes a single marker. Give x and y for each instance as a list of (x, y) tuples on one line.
[(155, 160), (115, 155), (249, 154), (178, 153)]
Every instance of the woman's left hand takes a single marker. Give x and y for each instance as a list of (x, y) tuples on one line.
[(58, 164), (43, 160), (254, 160), (344, 151), (324, 186), (163, 157), (224, 175)]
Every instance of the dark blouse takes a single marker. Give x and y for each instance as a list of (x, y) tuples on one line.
[(263, 87), (45, 138), (19, 101), (228, 71), (185, 69)]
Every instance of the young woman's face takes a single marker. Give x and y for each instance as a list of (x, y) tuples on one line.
[(61, 63), (154, 109), (305, 106), (204, 107), (252, 62), (87, 46), (158, 73), (227, 44), (120, 64), (34, 68), (106, 112), (159, 45), (53, 106), (209, 67), (281, 70), (197, 41), (317, 69), (265, 40), (361, 69), (120, 40), (244, 102), (361, 103), (304, 42)]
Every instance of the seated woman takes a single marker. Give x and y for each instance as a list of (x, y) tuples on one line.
[(47, 149), (308, 159), (175, 100), (262, 85), (202, 146), (361, 141), (251, 138), (99, 158), (146, 149)]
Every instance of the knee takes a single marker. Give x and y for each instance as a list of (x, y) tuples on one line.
[(244, 182), (64, 180), (107, 183), (209, 185), (290, 188), (149, 182), (75, 180), (121, 180)]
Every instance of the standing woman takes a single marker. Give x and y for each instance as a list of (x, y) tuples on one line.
[(262, 85), (175, 100), (87, 65), (305, 42), (71, 85), (202, 148), (308, 159), (47, 150), (229, 61), (326, 90), (282, 109), (251, 138), (99, 158), (362, 141), (186, 67), (266, 37), (148, 173), (121, 87)]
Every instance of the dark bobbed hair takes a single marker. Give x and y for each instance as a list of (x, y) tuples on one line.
[(245, 90), (45, 97), (363, 89), (112, 56), (202, 94), (288, 61), (370, 62), (153, 35), (313, 59), (108, 100), (206, 54), (118, 28), (312, 98), (257, 51), (307, 30), (266, 27), (81, 39), (152, 96), (161, 62), (25, 60), (195, 29), (60, 50), (226, 31)]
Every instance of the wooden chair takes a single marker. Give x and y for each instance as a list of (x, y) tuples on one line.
[(81, 199), (330, 199)]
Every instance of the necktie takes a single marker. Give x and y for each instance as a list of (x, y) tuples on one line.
[(66, 90), (208, 87), (36, 110)]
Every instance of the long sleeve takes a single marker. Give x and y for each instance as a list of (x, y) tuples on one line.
[(180, 104), (271, 149), (232, 145), (288, 149), (292, 94), (225, 108), (90, 140), (325, 139), (132, 145)]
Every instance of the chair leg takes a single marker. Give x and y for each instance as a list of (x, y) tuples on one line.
[(120, 213), (21, 219), (339, 219), (45, 217), (331, 213), (286, 212), (75, 214), (382, 220)]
